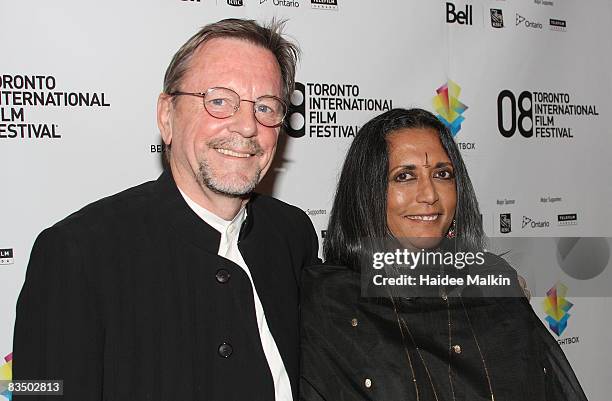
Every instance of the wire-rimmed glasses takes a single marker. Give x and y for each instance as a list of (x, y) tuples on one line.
[(221, 102)]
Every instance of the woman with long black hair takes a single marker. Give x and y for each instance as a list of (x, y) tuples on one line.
[(404, 182)]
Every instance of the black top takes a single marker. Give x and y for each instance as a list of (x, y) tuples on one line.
[(352, 347), (127, 299)]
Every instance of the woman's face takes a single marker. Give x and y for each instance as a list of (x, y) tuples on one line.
[(421, 194)]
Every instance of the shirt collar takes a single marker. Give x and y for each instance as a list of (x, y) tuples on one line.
[(212, 219)]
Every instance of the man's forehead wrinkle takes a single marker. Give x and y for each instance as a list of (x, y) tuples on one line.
[(215, 66)]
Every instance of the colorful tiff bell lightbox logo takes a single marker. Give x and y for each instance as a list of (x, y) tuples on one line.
[(556, 307), (448, 106), (6, 373)]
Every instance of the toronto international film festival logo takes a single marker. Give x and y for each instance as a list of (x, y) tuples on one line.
[(448, 106), (556, 307)]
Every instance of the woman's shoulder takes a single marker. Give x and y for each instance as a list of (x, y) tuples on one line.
[(328, 270), (330, 281)]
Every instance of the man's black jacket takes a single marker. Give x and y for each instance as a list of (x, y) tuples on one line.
[(127, 299)]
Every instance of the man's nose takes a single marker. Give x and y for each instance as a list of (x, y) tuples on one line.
[(244, 121)]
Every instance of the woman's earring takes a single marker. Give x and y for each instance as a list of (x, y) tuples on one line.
[(451, 233)]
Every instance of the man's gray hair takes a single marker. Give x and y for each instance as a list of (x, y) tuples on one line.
[(268, 36)]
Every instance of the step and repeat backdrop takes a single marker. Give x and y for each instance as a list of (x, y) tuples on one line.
[(524, 86)]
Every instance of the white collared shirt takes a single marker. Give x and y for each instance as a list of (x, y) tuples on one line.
[(228, 248)]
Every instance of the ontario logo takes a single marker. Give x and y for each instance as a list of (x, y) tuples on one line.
[(448, 106), (557, 307), (6, 373)]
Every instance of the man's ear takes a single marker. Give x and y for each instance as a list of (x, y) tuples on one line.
[(164, 117)]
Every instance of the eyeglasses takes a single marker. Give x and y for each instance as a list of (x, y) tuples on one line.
[(269, 110)]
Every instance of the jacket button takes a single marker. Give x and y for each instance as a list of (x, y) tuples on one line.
[(222, 276), (225, 350)]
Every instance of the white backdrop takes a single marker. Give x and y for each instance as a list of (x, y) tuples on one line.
[(396, 52)]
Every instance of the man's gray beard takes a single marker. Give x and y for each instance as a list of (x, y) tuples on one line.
[(206, 178)]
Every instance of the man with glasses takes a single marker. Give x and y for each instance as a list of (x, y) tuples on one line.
[(185, 288)]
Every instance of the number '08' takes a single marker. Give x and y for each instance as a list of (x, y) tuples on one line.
[(524, 114)]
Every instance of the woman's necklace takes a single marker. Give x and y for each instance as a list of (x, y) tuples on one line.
[(404, 326)]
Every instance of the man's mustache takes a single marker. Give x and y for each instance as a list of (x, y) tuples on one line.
[(238, 143)]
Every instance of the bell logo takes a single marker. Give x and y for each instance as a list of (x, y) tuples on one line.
[(460, 17)]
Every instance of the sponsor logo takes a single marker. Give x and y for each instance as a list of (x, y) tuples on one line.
[(324, 4), (316, 109), (557, 25), (6, 373), (523, 21), (497, 18), (283, 3), (531, 223), (448, 106), (6, 256), (235, 3), (537, 114), (463, 17), (556, 308), (568, 219), (505, 223)]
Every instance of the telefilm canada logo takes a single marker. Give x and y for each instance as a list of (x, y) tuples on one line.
[(325, 4), (325, 110), (21, 92), (462, 16), (527, 23), (6, 256), (505, 223), (568, 219), (497, 18), (558, 25), (540, 114)]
